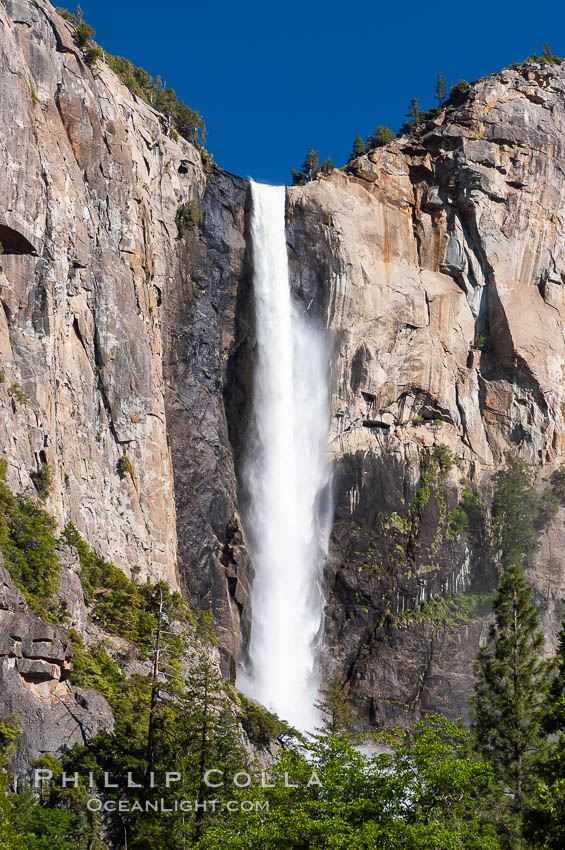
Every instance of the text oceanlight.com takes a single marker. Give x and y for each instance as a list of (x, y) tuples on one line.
[(210, 806)]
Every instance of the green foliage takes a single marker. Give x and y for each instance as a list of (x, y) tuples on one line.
[(440, 89), (519, 513), (336, 714), (446, 613), (381, 137), (119, 606), (261, 727), (195, 730), (2, 375), (414, 113), (417, 118), (511, 683), (437, 464), (9, 837), (359, 148), (422, 497), (17, 393), (558, 484), (545, 814), (310, 169), (124, 467), (204, 628), (327, 166), (547, 58), (181, 119), (458, 522), (42, 480), (93, 668), (428, 793), (479, 341), (10, 731), (28, 543), (83, 34), (459, 89), (188, 215)]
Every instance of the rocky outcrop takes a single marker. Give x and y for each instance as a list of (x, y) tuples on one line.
[(437, 263), (35, 665)]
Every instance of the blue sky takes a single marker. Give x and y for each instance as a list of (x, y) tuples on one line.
[(272, 80)]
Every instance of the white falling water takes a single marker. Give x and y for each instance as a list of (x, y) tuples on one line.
[(287, 479)]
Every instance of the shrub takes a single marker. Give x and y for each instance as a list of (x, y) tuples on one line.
[(479, 342), (459, 90), (381, 137), (124, 467), (182, 119), (64, 13), (28, 543), (83, 34), (260, 725), (118, 605), (42, 480), (188, 215), (93, 668), (17, 393)]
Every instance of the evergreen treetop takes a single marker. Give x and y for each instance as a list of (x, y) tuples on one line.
[(440, 89), (381, 137), (359, 147)]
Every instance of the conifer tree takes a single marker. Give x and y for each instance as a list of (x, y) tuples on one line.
[(440, 89), (309, 170), (545, 818), (337, 718), (519, 513), (509, 692), (359, 147), (414, 115), (381, 137)]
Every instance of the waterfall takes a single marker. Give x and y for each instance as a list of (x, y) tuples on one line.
[(286, 478)]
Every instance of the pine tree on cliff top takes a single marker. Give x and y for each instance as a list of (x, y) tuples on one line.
[(309, 170), (440, 89), (359, 147), (381, 137)]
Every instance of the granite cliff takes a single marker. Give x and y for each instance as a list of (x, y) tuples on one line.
[(437, 265)]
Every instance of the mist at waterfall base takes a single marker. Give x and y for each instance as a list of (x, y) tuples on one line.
[(287, 480)]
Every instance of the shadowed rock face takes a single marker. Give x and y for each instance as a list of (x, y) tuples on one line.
[(127, 338), (206, 309)]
